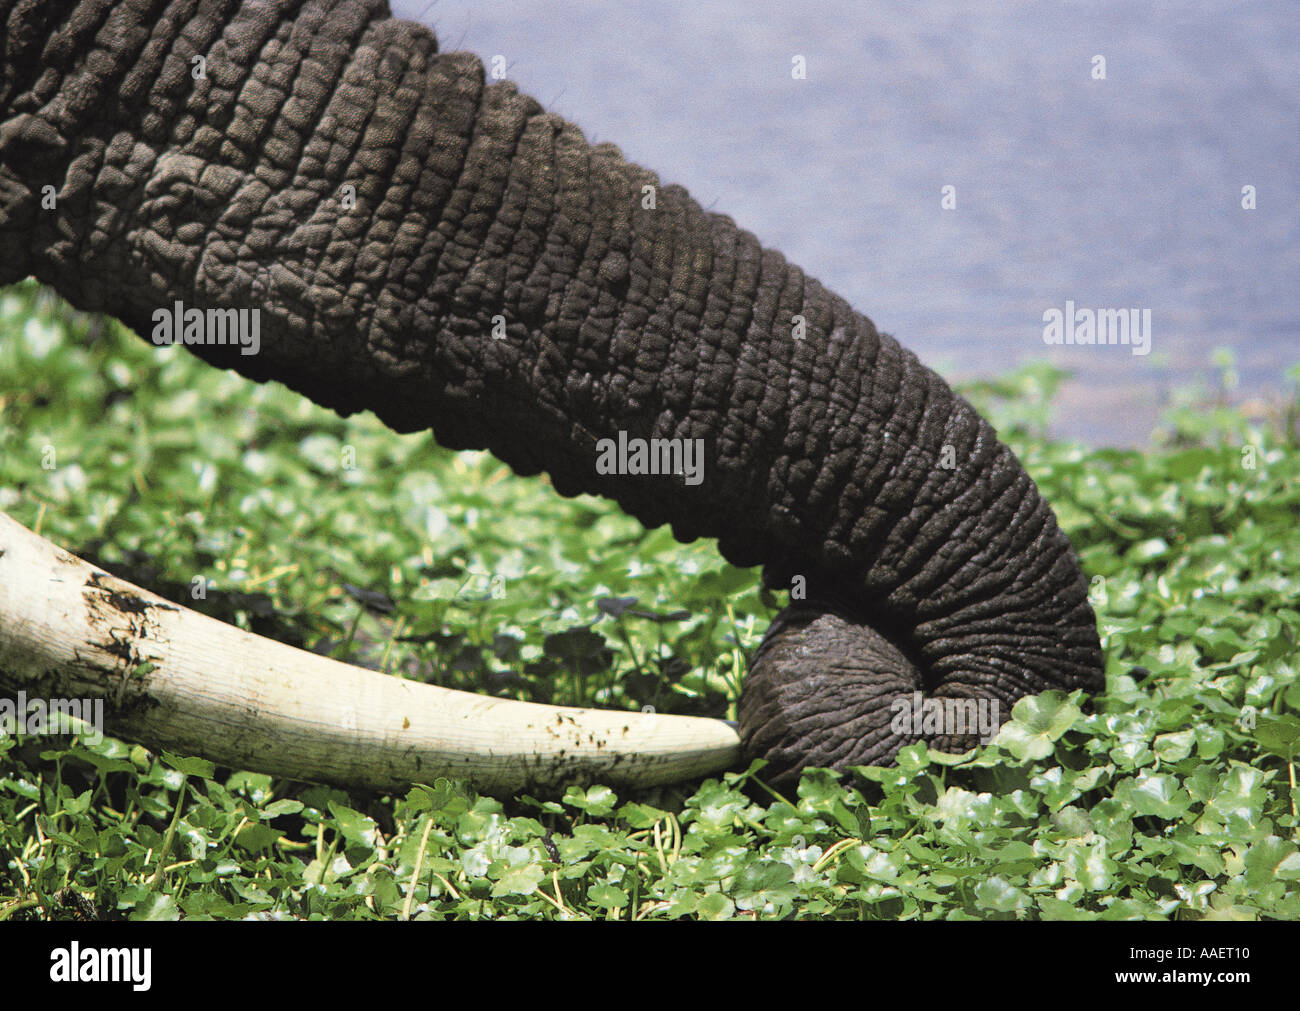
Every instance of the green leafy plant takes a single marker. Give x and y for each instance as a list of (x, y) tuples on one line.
[(1172, 796)]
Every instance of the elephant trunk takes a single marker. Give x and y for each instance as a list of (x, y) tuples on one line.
[(446, 253)]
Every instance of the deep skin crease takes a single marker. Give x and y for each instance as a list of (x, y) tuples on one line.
[(930, 560)]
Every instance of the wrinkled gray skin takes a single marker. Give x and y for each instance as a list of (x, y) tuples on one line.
[(822, 454)]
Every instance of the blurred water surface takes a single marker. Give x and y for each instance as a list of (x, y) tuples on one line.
[(1117, 193)]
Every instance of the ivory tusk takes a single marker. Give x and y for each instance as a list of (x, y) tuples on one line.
[(69, 630)]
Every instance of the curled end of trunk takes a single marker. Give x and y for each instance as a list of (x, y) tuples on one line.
[(828, 689)]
